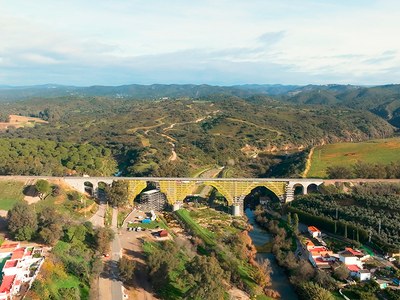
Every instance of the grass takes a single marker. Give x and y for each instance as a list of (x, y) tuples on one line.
[(207, 236), (108, 216), (376, 151), (210, 239), (10, 193), (152, 225), (122, 214)]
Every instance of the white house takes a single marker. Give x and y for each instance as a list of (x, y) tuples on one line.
[(17, 269), (314, 231), (364, 275), (351, 257)]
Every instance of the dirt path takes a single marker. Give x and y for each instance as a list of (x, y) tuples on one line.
[(159, 121), (131, 243), (173, 156), (308, 163), (279, 133)]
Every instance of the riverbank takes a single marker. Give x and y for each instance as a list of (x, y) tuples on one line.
[(279, 279)]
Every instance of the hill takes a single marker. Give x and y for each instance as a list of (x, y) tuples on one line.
[(137, 91), (383, 101), (344, 154), (252, 136)]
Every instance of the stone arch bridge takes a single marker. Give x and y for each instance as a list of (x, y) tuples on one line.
[(176, 189)]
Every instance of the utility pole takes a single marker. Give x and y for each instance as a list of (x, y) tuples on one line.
[(379, 227), (370, 234)]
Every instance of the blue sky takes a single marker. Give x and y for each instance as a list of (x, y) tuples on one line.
[(216, 42)]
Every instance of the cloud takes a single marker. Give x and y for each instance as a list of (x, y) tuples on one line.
[(269, 38), (88, 42)]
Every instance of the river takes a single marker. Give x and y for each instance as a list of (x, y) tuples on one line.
[(279, 280)]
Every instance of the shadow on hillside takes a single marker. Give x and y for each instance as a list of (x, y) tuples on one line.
[(3, 224)]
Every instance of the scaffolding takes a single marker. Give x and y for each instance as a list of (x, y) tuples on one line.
[(152, 200)]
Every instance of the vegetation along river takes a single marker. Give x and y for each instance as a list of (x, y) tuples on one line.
[(279, 280)]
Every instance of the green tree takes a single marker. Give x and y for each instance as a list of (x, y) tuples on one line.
[(51, 234), (341, 272), (289, 219), (117, 193), (312, 291), (295, 223), (22, 221), (43, 188), (76, 233), (103, 237), (126, 269), (207, 279), (339, 172), (324, 279)]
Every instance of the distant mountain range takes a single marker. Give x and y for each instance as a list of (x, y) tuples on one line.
[(136, 91), (381, 100)]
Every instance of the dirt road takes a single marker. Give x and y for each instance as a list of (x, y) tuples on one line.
[(131, 243)]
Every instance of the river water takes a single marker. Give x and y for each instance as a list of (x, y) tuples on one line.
[(279, 280)]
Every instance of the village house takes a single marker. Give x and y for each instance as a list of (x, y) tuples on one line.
[(21, 267), (314, 231)]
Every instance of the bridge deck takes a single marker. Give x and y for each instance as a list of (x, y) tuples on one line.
[(169, 178)]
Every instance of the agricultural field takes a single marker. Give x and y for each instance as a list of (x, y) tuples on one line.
[(10, 193), (20, 121), (382, 151)]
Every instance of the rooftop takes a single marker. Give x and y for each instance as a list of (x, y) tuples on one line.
[(354, 252), (313, 229), (10, 264), (8, 247), (364, 271), (353, 268), (6, 284), (18, 253)]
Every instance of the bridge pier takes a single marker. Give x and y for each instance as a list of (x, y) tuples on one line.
[(236, 211)]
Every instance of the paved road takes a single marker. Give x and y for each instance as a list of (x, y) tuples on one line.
[(116, 285), (98, 218), (109, 286)]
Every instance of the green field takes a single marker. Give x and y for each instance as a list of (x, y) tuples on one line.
[(10, 193), (377, 151)]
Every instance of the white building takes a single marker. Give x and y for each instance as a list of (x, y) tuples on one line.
[(363, 275), (351, 257), (17, 269), (314, 231)]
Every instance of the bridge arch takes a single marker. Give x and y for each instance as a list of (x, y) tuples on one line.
[(312, 188), (135, 187), (222, 190), (277, 188), (89, 188)]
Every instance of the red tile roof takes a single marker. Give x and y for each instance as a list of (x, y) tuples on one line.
[(9, 245), (18, 253), (10, 264), (353, 268), (354, 252), (313, 229), (7, 283)]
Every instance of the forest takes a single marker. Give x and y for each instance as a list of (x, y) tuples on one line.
[(43, 157), (257, 136), (368, 207)]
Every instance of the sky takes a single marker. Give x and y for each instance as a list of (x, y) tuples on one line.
[(220, 42)]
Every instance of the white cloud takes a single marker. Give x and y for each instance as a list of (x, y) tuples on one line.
[(202, 41)]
